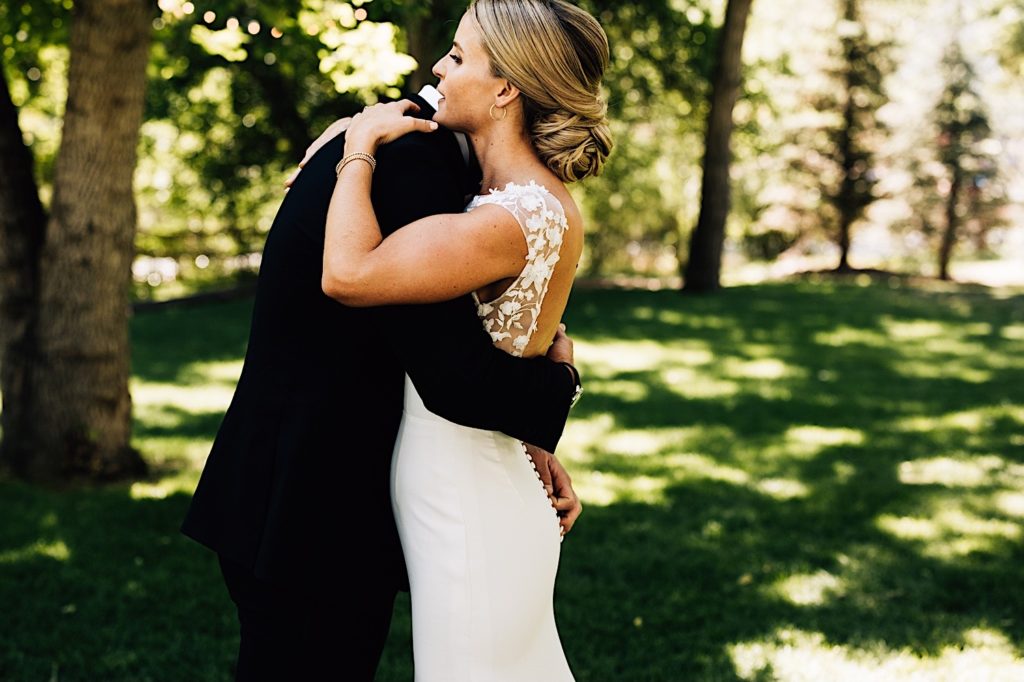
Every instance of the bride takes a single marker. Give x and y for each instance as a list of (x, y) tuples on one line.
[(480, 537)]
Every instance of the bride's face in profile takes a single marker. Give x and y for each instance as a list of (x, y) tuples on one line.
[(465, 81)]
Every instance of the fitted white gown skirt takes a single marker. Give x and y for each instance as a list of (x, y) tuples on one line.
[(481, 544)]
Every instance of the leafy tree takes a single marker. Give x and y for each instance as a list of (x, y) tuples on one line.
[(957, 191), (67, 410), (841, 155)]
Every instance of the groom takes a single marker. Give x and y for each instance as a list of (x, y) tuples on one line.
[(294, 497)]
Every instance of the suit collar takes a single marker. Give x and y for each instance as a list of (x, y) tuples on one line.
[(472, 175)]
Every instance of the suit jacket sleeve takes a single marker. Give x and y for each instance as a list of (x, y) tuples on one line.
[(451, 359)]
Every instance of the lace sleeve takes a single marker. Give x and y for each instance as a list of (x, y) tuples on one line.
[(511, 319)]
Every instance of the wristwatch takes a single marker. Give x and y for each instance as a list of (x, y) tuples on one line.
[(579, 385)]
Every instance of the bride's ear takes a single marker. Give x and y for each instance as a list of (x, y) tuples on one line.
[(506, 95)]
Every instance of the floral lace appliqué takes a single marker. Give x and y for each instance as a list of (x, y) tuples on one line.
[(511, 319)]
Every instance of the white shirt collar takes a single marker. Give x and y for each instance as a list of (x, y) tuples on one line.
[(432, 97)]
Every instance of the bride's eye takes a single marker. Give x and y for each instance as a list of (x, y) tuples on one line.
[(455, 58)]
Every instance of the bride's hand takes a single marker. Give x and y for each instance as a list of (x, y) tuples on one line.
[(382, 123), (333, 130)]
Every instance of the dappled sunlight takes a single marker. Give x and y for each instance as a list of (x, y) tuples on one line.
[(1013, 332), (53, 550), (692, 466), (602, 488), (974, 421), (929, 369), (782, 488), (222, 371), (807, 440), (641, 441), (167, 486), (794, 655), (1010, 503), (201, 398), (763, 368), (947, 471), (629, 390), (844, 335), (907, 330), (702, 386), (605, 358), (808, 589), (948, 532)]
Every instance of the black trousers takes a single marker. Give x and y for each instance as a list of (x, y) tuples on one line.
[(308, 632)]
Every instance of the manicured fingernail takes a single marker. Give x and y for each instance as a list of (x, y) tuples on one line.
[(433, 125)]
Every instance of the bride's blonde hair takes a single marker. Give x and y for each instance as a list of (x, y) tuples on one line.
[(556, 54)]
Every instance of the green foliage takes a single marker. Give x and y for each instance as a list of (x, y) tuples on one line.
[(34, 62), (656, 92), (236, 94), (844, 149), (959, 142)]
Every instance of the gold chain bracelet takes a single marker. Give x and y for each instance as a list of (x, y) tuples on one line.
[(352, 157)]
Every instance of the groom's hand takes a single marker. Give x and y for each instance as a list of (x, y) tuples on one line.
[(561, 347)]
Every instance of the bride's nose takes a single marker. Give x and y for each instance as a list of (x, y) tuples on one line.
[(436, 68)]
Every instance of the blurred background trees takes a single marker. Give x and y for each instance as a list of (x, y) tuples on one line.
[(865, 134)]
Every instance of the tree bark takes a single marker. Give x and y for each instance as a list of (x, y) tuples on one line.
[(846, 201), (703, 268), (429, 29), (952, 223), (22, 225), (79, 404)]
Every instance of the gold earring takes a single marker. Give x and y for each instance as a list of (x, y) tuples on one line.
[(503, 110)]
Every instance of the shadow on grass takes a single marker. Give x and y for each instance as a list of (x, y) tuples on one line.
[(828, 459), (98, 585), (849, 487)]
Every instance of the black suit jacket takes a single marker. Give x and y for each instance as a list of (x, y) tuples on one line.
[(297, 481)]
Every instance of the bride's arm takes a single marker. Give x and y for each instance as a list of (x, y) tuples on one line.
[(433, 259)]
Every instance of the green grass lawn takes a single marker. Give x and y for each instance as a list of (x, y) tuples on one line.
[(797, 481)]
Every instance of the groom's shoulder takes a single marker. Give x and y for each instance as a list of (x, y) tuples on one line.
[(421, 154), (440, 142)]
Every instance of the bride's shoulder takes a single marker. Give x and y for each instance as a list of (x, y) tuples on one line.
[(533, 195)]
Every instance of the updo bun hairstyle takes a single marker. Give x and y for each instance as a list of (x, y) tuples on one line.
[(556, 54)]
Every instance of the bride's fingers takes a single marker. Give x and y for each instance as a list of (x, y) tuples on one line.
[(407, 105)]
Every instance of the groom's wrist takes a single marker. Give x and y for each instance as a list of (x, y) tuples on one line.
[(577, 383)]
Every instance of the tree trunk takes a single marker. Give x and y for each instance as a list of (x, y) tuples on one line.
[(22, 225), (418, 34), (429, 29), (952, 223), (703, 269), (846, 202), (80, 421)]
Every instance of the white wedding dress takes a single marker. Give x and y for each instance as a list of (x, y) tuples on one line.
[(481, 540)]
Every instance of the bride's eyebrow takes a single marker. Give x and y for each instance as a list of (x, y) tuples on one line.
[(455, 43)]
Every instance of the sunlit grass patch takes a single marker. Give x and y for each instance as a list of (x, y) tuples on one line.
[(52, 550), (951, 472), (809, 588), (950, 532), (793, 655)]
